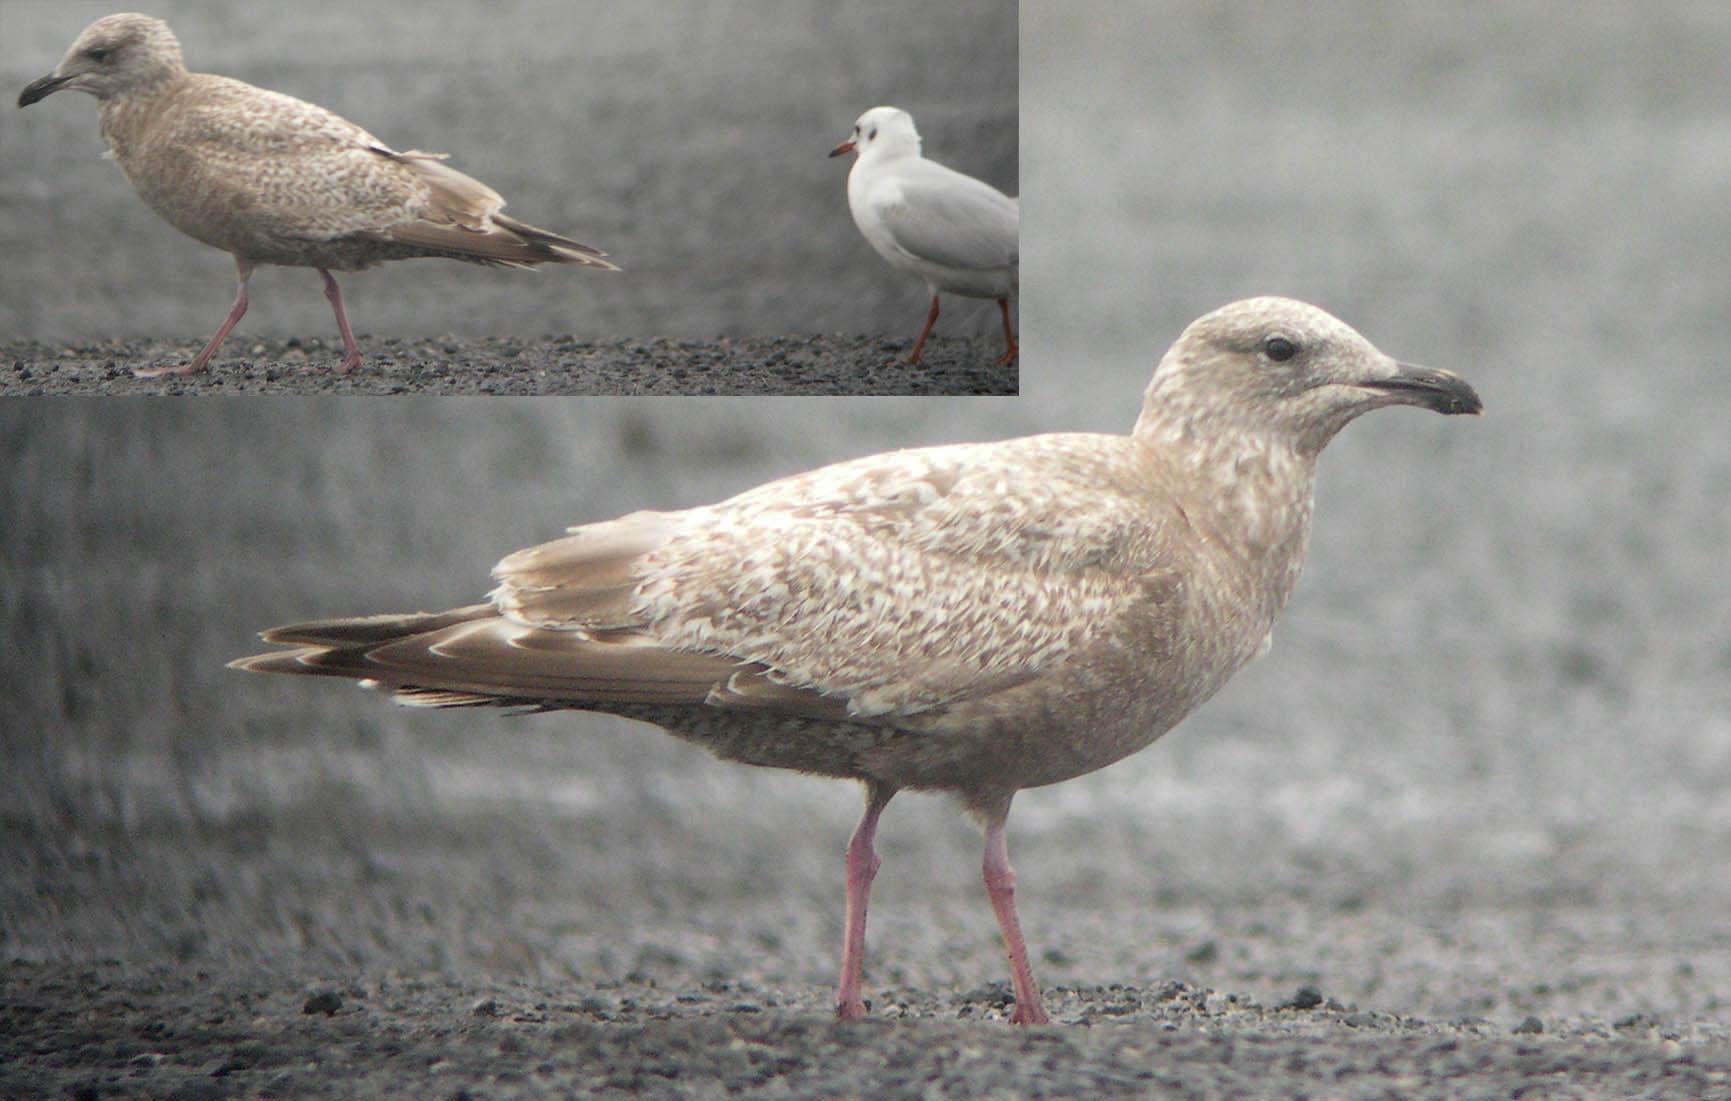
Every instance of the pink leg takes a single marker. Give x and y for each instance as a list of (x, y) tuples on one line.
[(862, 867), (202, 360), (920, 341), (1001, 886), (353, 357), (1010, 348)]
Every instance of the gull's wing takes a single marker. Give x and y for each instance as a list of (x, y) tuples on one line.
[(941, 216), (291, 168), (884, 587), (894, 584), (279, 169)]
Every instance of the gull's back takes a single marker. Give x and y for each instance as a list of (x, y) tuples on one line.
[(957, 233)]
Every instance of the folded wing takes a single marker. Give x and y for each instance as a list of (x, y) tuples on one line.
[(887, 587), (943, 217)]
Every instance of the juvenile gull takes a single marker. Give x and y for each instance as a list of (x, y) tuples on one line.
[(276, 180), (956, 233), (973, 619)]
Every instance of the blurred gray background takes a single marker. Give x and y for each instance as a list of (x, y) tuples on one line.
[(1485, 771), (685, 137)]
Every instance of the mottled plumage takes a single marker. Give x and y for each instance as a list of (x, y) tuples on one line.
[(957, 234), (276, 180), (974, 618)]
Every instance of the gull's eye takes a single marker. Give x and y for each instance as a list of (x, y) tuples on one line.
[(98, 53), (1279, 349)]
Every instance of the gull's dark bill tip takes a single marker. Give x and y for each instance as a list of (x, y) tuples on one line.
[(39, 89), (1440, 391)]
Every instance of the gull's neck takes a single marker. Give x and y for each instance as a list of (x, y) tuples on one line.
[(1243, 487), (123, 115), (890, 153)]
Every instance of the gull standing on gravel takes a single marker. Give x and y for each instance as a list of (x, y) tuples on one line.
[(276, 180), (956, 233), (972, 619)]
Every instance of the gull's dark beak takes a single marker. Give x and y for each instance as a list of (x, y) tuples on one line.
[(41, 88), (1440, 391), (844, 147)]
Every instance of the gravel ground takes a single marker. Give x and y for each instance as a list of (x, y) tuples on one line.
[(263, 1037), (1478, 796), (562, 365)]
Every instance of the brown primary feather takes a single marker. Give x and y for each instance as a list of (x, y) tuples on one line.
[(569, 251), (586, 579), (462, 219), (371, 630), (493, 656), (452, 197)]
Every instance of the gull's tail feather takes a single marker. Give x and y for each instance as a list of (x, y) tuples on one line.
[(463, 221), (472, 656)]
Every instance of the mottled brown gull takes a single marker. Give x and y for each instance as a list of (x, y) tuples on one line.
[(276, 180), (957, 234), (973, 619)]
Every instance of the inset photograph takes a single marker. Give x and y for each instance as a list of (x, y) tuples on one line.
[(686, 198)]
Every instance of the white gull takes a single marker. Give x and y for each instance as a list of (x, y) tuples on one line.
[(955, 233)]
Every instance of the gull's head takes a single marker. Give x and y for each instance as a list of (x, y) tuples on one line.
[(882, 132), (1276, 366), (114, 55)]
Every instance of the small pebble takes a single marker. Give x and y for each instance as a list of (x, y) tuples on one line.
[(323, 1001), (1307, 997)]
